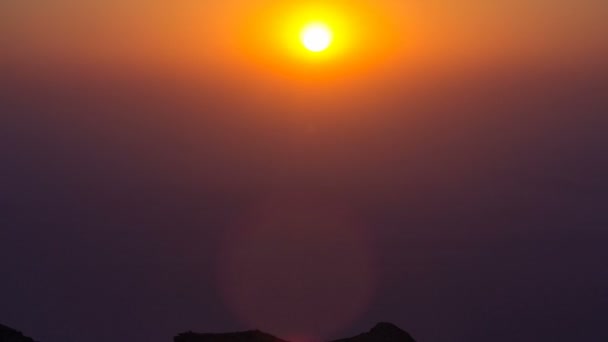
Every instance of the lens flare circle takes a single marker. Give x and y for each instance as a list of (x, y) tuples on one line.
[(297, 267), (316, 37)]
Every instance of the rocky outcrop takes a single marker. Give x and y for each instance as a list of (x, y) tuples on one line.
[(245, 336), (11, 335), (382, 332)]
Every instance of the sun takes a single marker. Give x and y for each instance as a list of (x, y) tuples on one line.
[(316, 37)]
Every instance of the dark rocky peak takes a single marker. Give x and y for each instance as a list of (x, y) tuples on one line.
[(381, 332), (11, 335), (385, 328), (244, 336)]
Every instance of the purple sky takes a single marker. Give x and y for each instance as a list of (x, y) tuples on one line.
[(467, 205)]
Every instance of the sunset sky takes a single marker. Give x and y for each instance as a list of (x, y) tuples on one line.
[(190, 165), (172, 32)]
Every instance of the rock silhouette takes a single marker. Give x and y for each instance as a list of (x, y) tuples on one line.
[(11, 335), (245, 336), (382, 332)]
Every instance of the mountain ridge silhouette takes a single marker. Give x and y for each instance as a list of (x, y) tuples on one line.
[(11, 335), (381, 332)]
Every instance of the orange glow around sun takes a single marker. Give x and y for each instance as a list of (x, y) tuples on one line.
[(311, 32), (314, 39)]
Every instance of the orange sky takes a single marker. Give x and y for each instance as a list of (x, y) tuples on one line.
[(194, 33)]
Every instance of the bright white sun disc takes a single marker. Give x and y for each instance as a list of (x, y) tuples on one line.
[(316, 37)]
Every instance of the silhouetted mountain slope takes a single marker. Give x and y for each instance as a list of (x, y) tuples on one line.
[(11, 335), (382, 332), (245, 336)]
